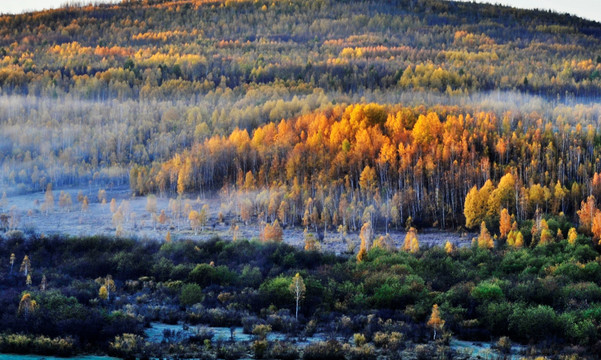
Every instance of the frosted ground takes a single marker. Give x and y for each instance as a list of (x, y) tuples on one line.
[(30, 217)]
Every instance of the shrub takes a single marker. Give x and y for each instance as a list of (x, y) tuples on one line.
[(205, 275), (277, 291), (126, 346), (364, 352), (260, 348), (261, 331), (487, 291), (331, 350), (190, 294), (359, 339), (392, 341), (231, 351), (533, 323), (41, 345), (283, 351)]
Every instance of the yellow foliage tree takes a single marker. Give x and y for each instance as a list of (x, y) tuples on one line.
[(485, 241), (311, 243), (572, 236), (384, 242), (427, 129), (194, 218), (272, 232), (502, 196), (25, 266), (366, 235), (587, 213), (476, 203), (107, 285), (596, 227), (103, 293), (449, 247), (411, 243), (519, 240), (27, 305), (435, 321), (504, 223)]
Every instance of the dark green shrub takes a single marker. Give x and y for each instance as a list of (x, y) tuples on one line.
[(190, 294)]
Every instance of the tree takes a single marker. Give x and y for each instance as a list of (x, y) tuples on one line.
[(572, 236), (25, 266), (449, 247), (168, 237), (103, 293), (297, 288), (485, 241), (362, 254), (194, 218), (504, 223), (203, 216), (235, 229), (311, 243), (27, 305), (151, 208), (586, 214), (411, 243), (596, 227), (107, 285), (476, 202), (272, 232), (519, 240), (102, 196), (162, 218), (436, 322), (515, 238), (84, 204), (48, 205), (113, 205), (246, 211), (64, 201), (384, 242), (427, 128), (13, 258), (366, 235), (503, 195), (44, 284)]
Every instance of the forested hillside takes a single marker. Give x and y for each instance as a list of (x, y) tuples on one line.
[(108, 94)]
